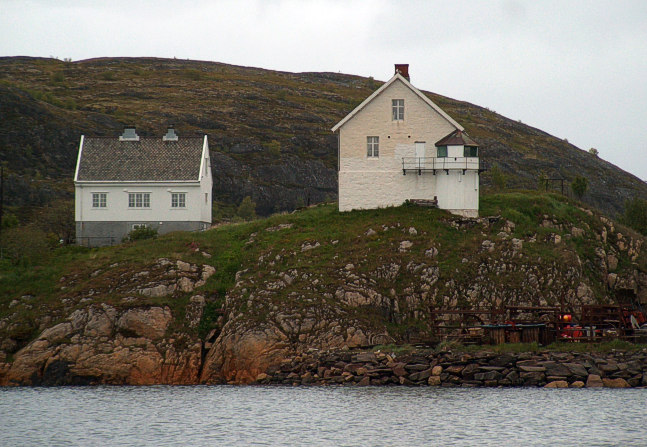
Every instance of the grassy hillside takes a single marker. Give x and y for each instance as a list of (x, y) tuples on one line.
[(269, 131), (536, 249)]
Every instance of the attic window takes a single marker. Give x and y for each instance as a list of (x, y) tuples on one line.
[(397, 106)]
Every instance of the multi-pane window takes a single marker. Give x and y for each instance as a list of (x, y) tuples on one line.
[(99, 200), (398, 109), (442, 151), (178, 200), (471, 151), (373, 146), (139, 200)]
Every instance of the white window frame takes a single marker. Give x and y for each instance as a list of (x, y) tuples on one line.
[(372, 147), (397, 109), (101, 200), (178, 200), (138, 226), (139, 200)]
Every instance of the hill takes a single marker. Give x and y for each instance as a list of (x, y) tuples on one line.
[(269, 131), (233, 302)]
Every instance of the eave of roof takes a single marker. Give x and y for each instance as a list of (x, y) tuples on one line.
[(386, 85)]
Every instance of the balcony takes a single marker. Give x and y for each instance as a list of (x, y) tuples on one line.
[(433, 164)]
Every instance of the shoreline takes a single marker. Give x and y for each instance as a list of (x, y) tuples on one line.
[(616, 369)]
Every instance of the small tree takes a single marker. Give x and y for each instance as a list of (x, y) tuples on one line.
[(26, 245), (247, 208), (593, 151), (635, 215), (499, 179), (9, 221), (58, 219), (542, 182), (579, 186)]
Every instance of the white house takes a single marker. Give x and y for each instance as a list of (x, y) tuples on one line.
[(398, 145), (126, 182)]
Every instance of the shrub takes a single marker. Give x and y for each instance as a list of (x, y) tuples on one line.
[(107, 76), (579, 186), (247, 208), (543, 182), (635, 215), (499, 179), (593, 151), (9, 220), (58, 77), (141, 233), (25, 245), (58, 218), (193, 74)]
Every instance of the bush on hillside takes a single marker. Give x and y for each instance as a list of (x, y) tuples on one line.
[(58, 218), (635, 215), (26, 245), (9, 221), (499, 179), (247, 209), (579, 186), (141, 233)]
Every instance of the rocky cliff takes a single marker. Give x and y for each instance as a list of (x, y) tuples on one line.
[(235, 303)]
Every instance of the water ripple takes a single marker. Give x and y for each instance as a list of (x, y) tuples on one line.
[(320, 416)]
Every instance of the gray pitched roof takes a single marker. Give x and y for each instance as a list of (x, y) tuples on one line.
[(149, 159)]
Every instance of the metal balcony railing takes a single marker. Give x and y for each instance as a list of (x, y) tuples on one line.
[(433, 164)]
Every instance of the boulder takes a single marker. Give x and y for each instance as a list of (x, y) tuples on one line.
[(594, 381), (615, 383), (149, 323)]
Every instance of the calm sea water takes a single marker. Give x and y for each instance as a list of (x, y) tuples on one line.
[(320, 416)]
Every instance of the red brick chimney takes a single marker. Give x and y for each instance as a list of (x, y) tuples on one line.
[(403, 69)]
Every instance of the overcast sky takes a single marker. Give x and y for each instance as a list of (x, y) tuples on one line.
[(576, 69)]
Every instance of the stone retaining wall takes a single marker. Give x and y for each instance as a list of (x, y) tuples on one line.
[(617, 369)]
